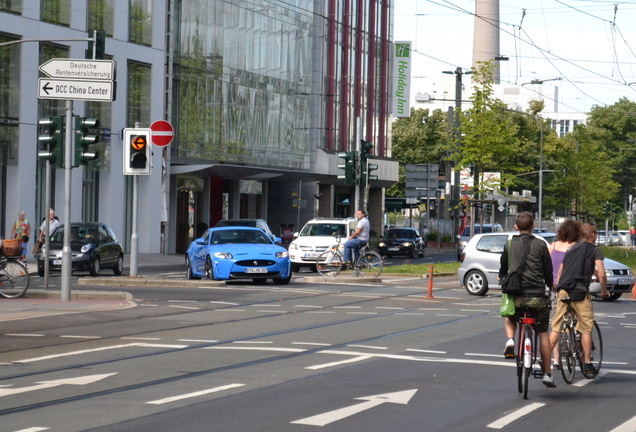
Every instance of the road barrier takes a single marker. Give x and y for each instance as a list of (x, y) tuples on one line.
[(430, 282)]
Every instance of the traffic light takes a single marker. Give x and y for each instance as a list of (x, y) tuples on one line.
[(51, 140), (84, 137), (97, 45), (366, 148), (365, 173), (137, 154), (348, 167)]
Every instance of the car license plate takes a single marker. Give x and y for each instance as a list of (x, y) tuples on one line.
[(394, 249), (621, 282), (56, 262), (256, 270), (312, 255)]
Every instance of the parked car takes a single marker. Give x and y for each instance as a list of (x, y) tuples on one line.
[(465, 236), (317, 236), (237, 253), (615, 239), (258, 223), (480, 266), (625, 237), (402, 241), (94, 247)]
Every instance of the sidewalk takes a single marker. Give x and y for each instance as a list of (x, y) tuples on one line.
[(40, 303)]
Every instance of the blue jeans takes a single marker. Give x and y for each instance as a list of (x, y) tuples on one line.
[(352, 244)]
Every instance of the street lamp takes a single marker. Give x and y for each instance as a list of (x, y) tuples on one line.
[(540, 81)]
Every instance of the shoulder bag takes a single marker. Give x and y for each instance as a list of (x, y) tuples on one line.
[(511, 282)]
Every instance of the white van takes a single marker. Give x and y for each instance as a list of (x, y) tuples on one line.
[(317, 236)]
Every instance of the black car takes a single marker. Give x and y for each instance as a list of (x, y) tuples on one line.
[(402, 241), (93, 247)]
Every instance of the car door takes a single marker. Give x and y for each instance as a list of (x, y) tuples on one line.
[(198, 252), (490, 248), (105, 246)]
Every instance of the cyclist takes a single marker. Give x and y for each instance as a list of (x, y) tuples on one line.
[(574, 278), (358, 238), (534, 278)]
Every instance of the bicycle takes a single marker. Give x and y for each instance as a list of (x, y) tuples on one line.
[(570, 348), (14, 278), (368, 262), (527, 351)]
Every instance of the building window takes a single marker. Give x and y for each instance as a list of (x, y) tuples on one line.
[(141, 22), (9, 102), (56, 11), (100, 15), (139, 94), (14, 6)]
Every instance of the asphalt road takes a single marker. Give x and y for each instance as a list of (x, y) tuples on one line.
[(339, 357)]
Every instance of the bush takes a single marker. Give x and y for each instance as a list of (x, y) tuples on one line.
[(432, 236)]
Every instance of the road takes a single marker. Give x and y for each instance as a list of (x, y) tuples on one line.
[(339, 357)]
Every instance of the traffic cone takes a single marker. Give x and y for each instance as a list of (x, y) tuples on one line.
[(634, 292)]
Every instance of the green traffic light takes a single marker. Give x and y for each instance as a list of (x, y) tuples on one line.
[(51, 140), (84, 138)]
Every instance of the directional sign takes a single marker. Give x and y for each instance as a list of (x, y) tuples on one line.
[(99, 91), (94, 70), (161, 133), (402, 398), (88, 379)]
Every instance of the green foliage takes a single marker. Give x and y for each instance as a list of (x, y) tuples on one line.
[(622, 255), (419, 269)]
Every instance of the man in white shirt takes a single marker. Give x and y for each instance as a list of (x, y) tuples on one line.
[(358, 238)]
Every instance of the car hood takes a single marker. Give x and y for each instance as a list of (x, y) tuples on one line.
[(239, 251), (613, 265), (315, 241), (57, 247), (398, 240)]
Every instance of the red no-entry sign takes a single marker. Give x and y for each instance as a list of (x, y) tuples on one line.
[(161, 133)]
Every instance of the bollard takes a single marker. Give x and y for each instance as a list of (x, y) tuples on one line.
[(634, 292), (430, 282)]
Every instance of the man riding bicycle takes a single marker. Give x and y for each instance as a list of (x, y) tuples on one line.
[(358, 238), (579, 264)]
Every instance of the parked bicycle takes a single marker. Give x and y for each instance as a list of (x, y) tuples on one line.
[(14, 277), (368, 263), (571, 350), (528, 349)]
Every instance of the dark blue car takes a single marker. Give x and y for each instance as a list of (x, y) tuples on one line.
[(237, 253)]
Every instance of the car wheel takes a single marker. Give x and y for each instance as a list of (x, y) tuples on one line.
[(412, 253), (475, 283), (282, 281), (613, 297), (189, 273), (95, 266), (119, 266), (295, 268), (209, 271)]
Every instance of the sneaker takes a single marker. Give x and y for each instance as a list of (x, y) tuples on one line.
[(548, 381), (509, 351), (590, 369), (556, 366)]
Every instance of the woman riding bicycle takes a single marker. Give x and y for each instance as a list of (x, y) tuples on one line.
[(579, 264), (358, 238)]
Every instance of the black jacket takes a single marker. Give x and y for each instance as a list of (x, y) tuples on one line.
[(538, 271)]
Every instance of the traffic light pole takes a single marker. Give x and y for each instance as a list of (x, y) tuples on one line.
[(68, 165), (358, 141), (133, 235)]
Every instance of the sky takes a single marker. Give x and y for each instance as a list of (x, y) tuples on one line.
[(585, 47)]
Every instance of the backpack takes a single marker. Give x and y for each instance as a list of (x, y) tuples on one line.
[(574, 279)]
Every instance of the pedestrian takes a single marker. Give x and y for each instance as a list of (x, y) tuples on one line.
[(358, 238), (632, 235), (567, 236), (54, 222), (21, 229), (580, 263), (536, 275)]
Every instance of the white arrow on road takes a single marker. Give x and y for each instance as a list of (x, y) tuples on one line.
[(402, 397), (89, 379)]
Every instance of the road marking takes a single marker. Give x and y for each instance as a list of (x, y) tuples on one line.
[(266, 305), (628, 426), (347, 307), (311, 343), (451, 315), (224, 303), (194, 394), (185, 307), (338, 363), (426, 351), (72, 353), (320, 312), (84, 380), (401, 398), (256, 349), (515, 415), (389, 308), (33, 429), (253, 342), (362, 313), (368, 346), (80, 337), (24, 334), (309, 306), (182, 301), (198, 340), (140, 338)]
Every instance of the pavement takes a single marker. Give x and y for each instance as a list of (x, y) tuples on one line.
[(40, 303)]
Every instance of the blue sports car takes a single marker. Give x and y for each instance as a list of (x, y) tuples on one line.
[(235, 253)]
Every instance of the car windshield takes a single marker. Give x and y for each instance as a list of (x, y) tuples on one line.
[(244, 222), (240, 237), (398, 233), (487, 229), (323, 229), (79, 233)]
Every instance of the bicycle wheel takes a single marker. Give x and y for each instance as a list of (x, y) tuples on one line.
[(567, 352), (596, 355), (519, 358), (526, 360), (14, 279), (370, 264), (329, 263)]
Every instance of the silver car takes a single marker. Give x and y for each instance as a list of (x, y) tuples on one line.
[(481, 260)]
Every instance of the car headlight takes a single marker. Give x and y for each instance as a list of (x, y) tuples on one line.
[(281, 254), (223, 255), (381, 244), (406, 244), (86, 248), (293, 246)]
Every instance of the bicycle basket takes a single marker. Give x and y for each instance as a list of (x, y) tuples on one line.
[(12, 248)]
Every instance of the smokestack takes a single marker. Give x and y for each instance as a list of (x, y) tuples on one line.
[(486, 35)]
